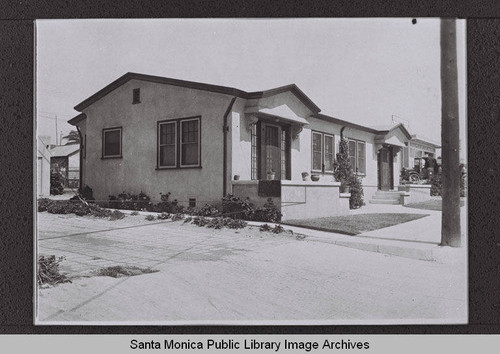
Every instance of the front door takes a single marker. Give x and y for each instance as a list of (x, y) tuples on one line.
[(385, 169), (271, 150)]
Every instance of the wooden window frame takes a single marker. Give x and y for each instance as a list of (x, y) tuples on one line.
[(159, 145), (106, 130), (356, 142), (198, 142), (323, 153), (178, 146)]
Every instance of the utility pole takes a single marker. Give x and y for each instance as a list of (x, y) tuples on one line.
[(56, 130), (450, 227)]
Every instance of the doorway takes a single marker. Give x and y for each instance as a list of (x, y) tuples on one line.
[(274, 151), (385, 169)]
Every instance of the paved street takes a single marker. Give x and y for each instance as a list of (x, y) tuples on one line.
[(238, 277)]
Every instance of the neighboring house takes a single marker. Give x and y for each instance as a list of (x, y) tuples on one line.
[(417, 148), (43, 166), (66, 160), (158, 135)]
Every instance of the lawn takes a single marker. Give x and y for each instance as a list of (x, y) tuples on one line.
[(355, 224), (433, 204)]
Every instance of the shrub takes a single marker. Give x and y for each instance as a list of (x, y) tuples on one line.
[(56, 186), (206, 210), (268, 213), (127, 201), (120, 271), (236, 224), (134, 213), (163, 216), (236, 208), (116, 215), (278, 229), (265, 227), (217, 223), (188, 219), (356, 188), (436, 185), (150, 217), (86, 194), (43, 204), (166, 206), (200, 221), (177, 216), (48, 270), (343, 168)]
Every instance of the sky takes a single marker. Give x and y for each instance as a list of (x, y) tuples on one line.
[(366, 71)]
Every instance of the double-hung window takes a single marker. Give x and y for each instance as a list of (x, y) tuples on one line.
[(179, 143), (112, 142), (357, 156), (167, 144), (190, 143), (322, 152)]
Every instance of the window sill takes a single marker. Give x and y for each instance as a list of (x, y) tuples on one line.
[(111, 157), (177, 168)]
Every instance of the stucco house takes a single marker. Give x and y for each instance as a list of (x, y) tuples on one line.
[(200, 142), (66, 160)]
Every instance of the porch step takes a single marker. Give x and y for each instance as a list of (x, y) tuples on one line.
[(385, 201), (392, 196), (386, 197)]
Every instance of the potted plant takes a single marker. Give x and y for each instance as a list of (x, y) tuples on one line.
[(304, 176), (315, 178), (271, 174)]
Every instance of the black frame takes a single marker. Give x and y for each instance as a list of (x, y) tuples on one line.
[(178, 143)]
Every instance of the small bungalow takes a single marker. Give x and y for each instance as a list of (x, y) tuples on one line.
[(43, 166), (66, 160), (200, 142)]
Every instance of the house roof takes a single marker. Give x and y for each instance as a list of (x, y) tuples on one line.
[(195, 85), (77, 119), (425, 140), (397, 126), (64, 150), (345, 123)]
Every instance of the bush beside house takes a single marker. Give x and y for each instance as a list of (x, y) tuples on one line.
[(344, 174)]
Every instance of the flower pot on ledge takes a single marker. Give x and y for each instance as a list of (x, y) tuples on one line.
[(345, 189), (315, 178)]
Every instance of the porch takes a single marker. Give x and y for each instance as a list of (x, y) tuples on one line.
[(296, 199)]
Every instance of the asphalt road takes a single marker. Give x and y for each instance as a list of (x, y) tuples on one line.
[(208, 276)]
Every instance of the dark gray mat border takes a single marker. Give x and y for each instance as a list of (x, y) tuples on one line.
[(16, 162)]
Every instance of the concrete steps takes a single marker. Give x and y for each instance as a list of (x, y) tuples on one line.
[(386, 197)]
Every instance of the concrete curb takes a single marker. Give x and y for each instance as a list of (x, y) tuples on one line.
[(407, 249)]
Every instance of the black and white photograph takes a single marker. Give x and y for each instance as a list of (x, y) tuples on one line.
[(294, 171)]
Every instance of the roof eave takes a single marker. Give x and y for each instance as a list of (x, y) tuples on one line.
[(75, 120), (346, 123)]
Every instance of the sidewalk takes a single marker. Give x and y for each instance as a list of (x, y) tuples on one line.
[(417, 239)]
